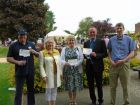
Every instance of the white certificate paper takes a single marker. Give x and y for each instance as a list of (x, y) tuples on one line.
[(24, 53), (72, 61), (87, 51)]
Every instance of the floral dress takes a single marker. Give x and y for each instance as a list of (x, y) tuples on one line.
[(72, 77)]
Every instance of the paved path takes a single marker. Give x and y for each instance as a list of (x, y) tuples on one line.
[(3, 60)]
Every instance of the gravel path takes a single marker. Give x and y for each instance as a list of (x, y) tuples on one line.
[(3, 60)]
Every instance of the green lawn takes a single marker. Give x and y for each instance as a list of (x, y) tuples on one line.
[(3, 51), (6, 97)]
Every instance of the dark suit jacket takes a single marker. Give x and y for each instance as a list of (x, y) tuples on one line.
[(101, 52)]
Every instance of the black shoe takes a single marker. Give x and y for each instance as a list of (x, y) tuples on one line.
[(93, 103), (101, 103)]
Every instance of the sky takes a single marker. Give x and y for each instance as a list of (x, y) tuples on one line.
[(68, 13)]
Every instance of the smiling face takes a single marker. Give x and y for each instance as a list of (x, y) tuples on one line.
[(49, 44), (71, 41), (119, 29), (92, 32)]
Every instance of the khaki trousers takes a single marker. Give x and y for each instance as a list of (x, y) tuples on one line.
[(120, 72)]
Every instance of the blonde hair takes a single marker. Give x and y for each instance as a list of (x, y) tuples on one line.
[(70, 37), (48, 39)]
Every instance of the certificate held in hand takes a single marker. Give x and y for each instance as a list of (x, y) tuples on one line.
[(72, 62), (87, 51)]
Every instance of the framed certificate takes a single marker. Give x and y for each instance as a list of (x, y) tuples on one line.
[(87, 51), (72, 61)]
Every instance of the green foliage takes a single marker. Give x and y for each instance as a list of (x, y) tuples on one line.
[(104, 27), (3, 51), (106, 72), (85, 83), (134, 36), (29, 14), (5, 96), (49, 21), (84, 26), (40, 85), (134, 62), (11, 75)]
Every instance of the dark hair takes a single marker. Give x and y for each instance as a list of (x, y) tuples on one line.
[(93, 26), (119, 25)]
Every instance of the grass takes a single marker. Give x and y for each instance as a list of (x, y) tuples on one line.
[(6, 98), (3, 51)]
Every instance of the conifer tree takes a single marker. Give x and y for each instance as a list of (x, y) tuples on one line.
[(28, 14)]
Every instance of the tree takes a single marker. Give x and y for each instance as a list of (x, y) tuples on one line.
[(49, 21), (28, 14), (104, 27), (84, 26)]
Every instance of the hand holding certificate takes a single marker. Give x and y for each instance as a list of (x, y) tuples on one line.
[(24, 52), (87, 51)]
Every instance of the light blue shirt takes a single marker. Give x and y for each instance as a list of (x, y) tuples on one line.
[(120, 48)]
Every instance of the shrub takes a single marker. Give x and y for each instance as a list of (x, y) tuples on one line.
[(106, 72), (134, 62)]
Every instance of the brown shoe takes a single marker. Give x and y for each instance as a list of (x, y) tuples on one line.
[(70, 103)]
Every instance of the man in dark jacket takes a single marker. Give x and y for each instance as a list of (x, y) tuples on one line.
[(95, 65)]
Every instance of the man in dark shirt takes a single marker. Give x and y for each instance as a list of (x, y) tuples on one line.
[(21, 54)]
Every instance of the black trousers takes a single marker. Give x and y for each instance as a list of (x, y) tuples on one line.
[(19, 89), (92, 77)]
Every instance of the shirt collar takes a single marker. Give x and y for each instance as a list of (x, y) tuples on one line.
[(92, 39), (119, 37)]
